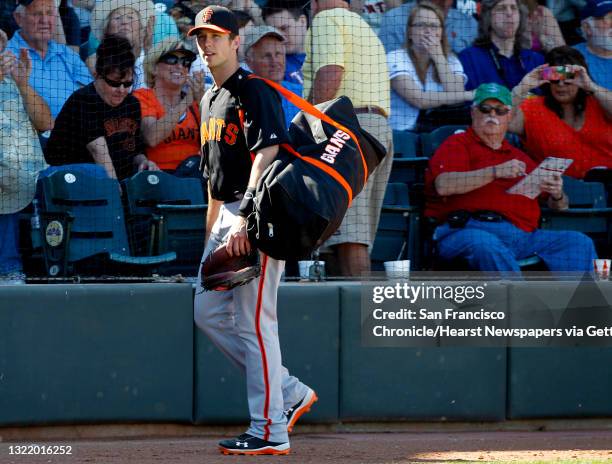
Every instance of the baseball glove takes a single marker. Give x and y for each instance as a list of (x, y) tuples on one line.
[(221, 272)]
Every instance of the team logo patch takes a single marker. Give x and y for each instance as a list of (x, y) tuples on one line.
[(54, 233), (152, 179), (208, 12), (70, 178)]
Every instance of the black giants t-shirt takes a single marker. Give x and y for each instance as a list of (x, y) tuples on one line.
[(225, 146), (84, 118)]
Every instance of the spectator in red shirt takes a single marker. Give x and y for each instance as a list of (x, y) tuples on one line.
[(572, 120), (480, 221)]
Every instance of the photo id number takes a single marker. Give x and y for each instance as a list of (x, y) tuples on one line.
[(40, 449)]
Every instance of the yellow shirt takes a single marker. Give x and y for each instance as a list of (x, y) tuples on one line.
[(342, 38)]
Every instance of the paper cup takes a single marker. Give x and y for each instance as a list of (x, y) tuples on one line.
[(305, 270), (602, 268), (398, 269)]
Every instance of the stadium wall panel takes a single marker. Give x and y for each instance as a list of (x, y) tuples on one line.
[(308, 317), (96, 353), (434, 383)]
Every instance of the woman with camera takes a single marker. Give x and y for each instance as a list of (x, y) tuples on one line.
[(573, 118)]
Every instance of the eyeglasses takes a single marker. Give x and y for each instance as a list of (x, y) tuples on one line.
[(426, 25), (499, 110), (185, 61), (117, 84)]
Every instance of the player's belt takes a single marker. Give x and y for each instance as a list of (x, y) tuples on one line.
[(373, 109)]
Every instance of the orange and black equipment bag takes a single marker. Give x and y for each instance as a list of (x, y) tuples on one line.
[(302, 197)]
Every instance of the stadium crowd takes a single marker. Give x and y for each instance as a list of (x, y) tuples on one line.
[(117, 84)]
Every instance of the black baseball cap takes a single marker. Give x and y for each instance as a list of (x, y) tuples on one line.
[(216, 18)]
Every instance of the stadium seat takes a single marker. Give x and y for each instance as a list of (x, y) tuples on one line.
[(406, 144), (398, 234), (603, 175), (167, 213), (407, 167), (432, 140), (587, 213), (83, 228)]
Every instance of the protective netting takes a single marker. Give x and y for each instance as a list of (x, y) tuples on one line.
[(101, 130)]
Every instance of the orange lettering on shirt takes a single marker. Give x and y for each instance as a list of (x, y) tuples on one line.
[(204, 133), (220, 126), (231, 134), (212, 130)]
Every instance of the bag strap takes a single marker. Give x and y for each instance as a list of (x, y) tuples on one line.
[(309, 108)]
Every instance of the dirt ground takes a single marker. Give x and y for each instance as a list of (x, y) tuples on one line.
[(315, 448)]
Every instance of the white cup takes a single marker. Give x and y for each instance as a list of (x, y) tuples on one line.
[(602, 268), (398, 269), (305, 268)]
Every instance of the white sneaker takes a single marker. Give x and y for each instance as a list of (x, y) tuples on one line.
[(13, 278), (300, 408)]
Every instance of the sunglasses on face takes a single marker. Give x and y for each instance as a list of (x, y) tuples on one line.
[(499, 110), (117, 84), (174, 59)]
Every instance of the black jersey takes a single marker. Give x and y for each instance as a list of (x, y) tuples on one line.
[(86, 117), (226, 146)]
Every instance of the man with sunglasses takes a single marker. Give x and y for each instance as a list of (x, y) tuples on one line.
[(479, 221)]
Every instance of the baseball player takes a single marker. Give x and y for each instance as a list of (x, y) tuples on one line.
[(242, 128)]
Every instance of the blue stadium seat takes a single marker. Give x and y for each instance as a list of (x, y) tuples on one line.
[(83, 228), (408, 167), (398, 234), (167, 213), (406, 144), (430, 142), (603, 175), (587, 213)]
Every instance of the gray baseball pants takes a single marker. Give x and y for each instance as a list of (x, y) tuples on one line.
[(242, 323)]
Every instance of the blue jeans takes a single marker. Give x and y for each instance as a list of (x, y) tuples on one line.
[(497, 246), (10, 260)]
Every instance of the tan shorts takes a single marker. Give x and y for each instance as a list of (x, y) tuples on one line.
[(361, 220)]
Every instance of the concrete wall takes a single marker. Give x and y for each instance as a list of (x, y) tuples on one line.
[(124, 353)]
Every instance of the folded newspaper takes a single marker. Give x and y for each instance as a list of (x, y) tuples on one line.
[(529, 186)]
